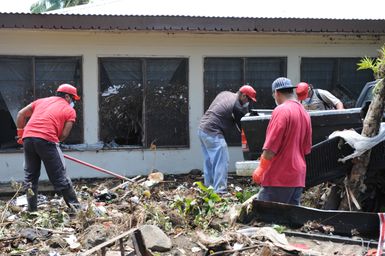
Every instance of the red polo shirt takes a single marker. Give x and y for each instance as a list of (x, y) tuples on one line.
[(48, 118), (288, 135)]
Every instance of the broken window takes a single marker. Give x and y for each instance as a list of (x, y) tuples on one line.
[(144, 101), (337, 75), (221, 74), (24, 79)]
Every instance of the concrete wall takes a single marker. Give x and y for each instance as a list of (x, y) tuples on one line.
[(91, 45)]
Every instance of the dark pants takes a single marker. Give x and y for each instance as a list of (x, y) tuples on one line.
[(287, 195), (37, 150)]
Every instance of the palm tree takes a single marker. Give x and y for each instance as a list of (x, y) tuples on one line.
[(49, 5), (355, 183)]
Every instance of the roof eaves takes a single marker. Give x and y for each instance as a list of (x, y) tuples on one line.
[(191, 24)]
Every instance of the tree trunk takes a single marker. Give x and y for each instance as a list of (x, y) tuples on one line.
[(354, 183)]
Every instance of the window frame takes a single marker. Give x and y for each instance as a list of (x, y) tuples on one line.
[(244, 80), (32, 59), (145, 140)]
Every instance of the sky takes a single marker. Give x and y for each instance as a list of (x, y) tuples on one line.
[(347, 9), (16, 5)]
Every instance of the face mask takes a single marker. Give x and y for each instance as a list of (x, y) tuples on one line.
[(245, 105), (72, 104)]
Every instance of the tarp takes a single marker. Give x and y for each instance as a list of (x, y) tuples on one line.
[(359, 142)]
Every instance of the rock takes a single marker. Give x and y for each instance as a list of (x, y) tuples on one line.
[(196, 172), (155, 239), (94, 235)]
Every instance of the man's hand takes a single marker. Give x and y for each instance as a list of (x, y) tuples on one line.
[(259, 173), (20, 136)]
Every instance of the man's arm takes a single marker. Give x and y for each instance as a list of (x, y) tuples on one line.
[(268, 154), (22, 116), (339, 105), (66, 130), (238, 113)]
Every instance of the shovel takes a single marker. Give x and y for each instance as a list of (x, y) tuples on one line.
[(98, 168)]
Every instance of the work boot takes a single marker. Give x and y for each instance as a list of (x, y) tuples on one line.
[(32, 199), (69, 196)]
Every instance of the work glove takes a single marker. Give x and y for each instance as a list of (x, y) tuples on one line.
[(20, 136), (259, 173)]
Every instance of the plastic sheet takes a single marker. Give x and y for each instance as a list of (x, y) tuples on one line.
[(360, 143)]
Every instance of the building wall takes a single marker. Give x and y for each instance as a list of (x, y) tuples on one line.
[(91, 45)]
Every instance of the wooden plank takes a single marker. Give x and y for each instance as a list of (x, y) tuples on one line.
[(109, 242)]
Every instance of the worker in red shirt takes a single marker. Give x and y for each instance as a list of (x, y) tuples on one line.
[(282, 168), (50, 122)]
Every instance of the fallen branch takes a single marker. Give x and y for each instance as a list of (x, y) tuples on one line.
[(235, 250), (9, 238), (55, 231)]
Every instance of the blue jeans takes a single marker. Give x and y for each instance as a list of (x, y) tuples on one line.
[(216, 161), (287, 195)]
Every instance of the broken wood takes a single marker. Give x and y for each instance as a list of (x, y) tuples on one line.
[(139, 246), (102, 246)]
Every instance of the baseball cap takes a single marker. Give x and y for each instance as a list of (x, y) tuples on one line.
[(282, 83)]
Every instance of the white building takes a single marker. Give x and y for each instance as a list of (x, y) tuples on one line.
[(146, 79)]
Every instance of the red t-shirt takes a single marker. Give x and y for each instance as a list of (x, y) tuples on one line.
[(289, 137), (48, 118)]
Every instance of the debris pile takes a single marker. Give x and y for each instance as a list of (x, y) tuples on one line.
[(154, 215)]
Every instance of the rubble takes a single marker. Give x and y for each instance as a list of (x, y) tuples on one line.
[(176, 215)]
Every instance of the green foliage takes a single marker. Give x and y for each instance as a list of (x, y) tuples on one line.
[(376, 65), (201, 209), (246, 193), (155, 216), (47, 219), (280, 229)]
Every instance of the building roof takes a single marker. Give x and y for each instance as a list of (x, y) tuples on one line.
[(201, 16), (190, 24)]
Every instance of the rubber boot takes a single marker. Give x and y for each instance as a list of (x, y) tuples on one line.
[(69, 196), (32, 199)]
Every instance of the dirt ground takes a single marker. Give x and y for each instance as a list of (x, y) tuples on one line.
[(194, 218)]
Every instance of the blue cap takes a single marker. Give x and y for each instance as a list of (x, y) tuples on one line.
[(282, 83)]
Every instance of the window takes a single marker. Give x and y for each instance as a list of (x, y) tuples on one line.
[(144, 102), (337, 75), (221, 74), (24, 79)]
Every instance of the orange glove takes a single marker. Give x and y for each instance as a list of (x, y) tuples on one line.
[(20, 136), (261, 169)]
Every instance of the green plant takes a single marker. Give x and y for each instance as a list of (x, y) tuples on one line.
[(376, 65), (246, 193), (202, 208), (156, 216), (280, 229)]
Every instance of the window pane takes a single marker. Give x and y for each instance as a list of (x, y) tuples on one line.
[(260, 73), (337, 75), (221, 74), (121, 101), (16, 91), (352, 80), (54, 71), (318, 72), (166, 102)]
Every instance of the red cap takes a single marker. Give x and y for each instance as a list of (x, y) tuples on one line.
[(249, 92), (302, 90), (69, 89)]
